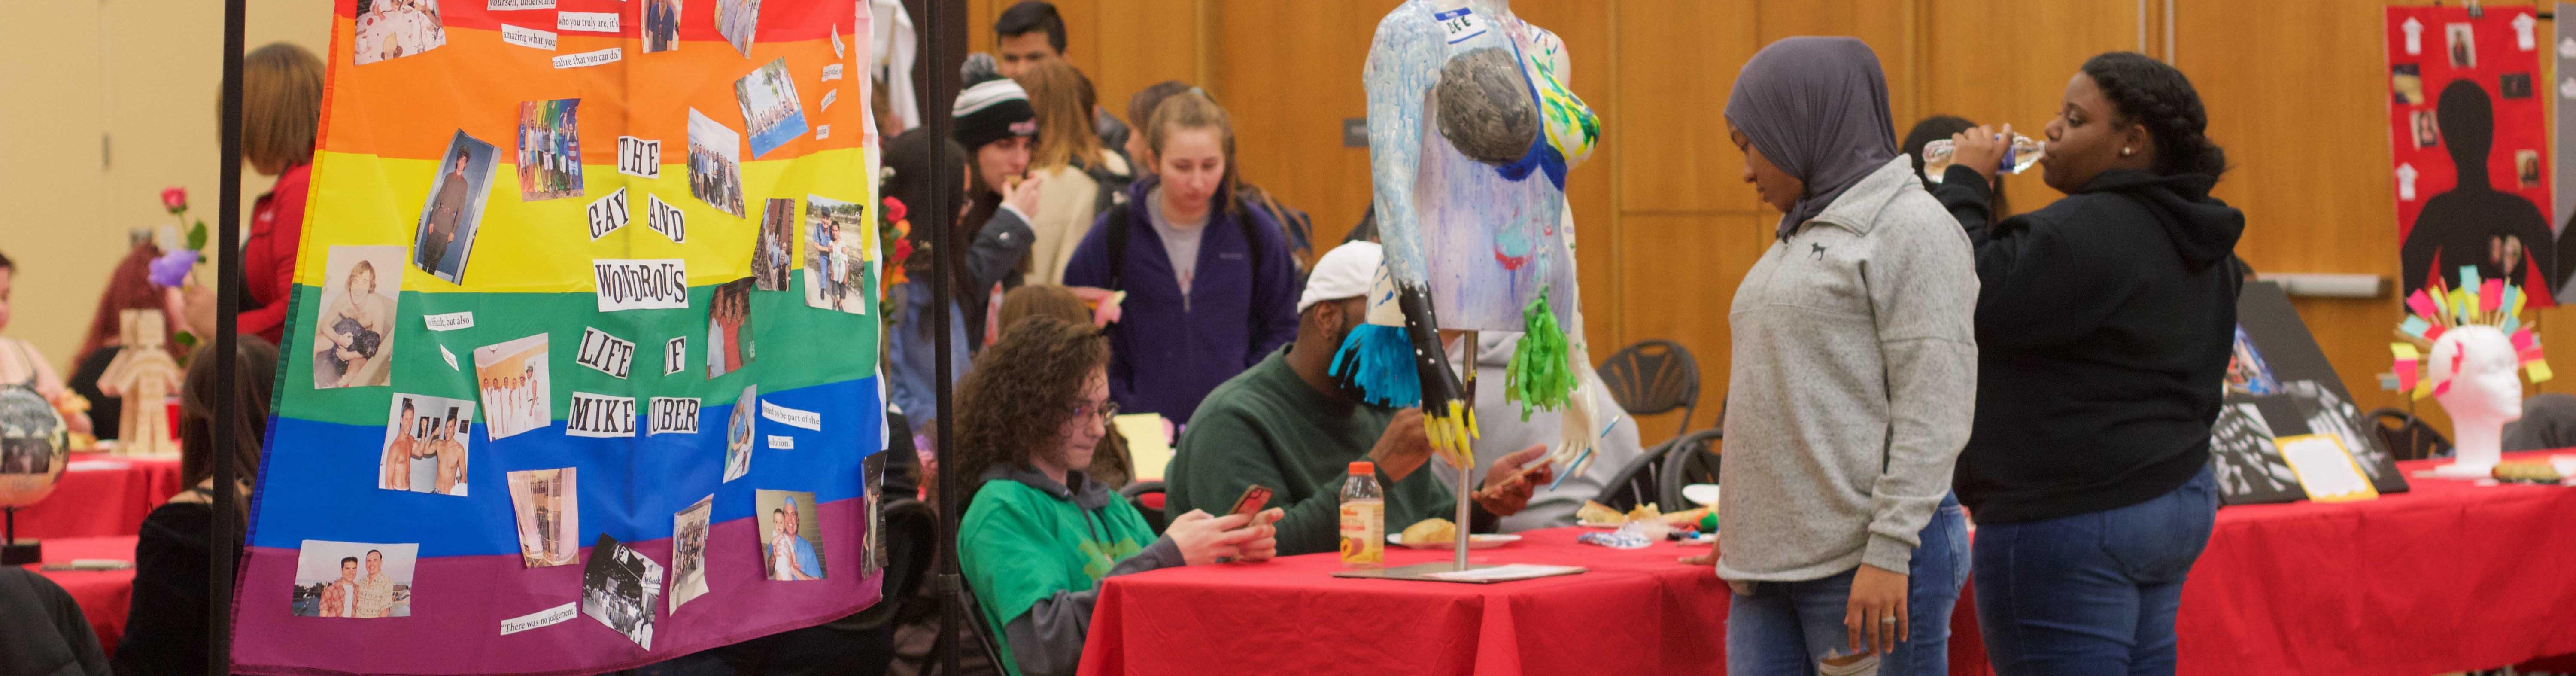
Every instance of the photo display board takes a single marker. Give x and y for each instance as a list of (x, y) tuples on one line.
[(2280, 386), (580, 373)]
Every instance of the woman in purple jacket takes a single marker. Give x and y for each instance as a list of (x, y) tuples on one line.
[(1211, 288)]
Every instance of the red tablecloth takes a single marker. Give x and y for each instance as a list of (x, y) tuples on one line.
[(2450, 576), (2447, 577), (102, 595), (101, 494), (1636, 612)]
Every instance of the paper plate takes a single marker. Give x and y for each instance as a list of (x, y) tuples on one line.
[(1477, 541), (1704, 495)]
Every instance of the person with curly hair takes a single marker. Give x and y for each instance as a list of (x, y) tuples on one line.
[(1039, 534), (2105, 323)]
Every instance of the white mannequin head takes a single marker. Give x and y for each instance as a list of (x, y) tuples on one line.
[(2483, 393)]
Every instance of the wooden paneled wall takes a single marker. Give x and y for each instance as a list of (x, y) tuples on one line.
[(2295, 89)]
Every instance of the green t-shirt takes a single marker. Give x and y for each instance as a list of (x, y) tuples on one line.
[(1018, 545), (1267, 426)]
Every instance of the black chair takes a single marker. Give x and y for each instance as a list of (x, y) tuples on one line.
[(1639, 482), (1135, 494), (1652, 377), (1692, 460), (911, 542), (2407, 436)]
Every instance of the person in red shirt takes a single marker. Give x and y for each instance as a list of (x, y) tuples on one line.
[(281, 111)]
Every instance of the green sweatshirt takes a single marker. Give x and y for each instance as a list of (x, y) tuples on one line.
[(1035, 551), (1267, 426)]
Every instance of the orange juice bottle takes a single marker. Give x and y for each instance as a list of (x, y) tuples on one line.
[(1363, 518)]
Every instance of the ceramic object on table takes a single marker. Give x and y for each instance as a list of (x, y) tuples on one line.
[(34, 446)]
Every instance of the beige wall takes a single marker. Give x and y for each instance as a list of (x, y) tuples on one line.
[(142, 75)]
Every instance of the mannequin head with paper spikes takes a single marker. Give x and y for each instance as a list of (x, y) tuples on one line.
[(2472, 370)]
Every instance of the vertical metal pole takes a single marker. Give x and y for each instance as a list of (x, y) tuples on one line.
[(2142, 26), (225, 546), (2169, 32), (951, 587), (1466, 480)]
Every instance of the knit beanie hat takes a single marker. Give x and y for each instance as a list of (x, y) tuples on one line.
[(992, 110)]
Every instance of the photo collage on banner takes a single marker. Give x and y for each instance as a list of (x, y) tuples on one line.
[(547, 460), (2470, 137)]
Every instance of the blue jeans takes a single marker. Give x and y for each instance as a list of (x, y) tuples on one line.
[(1795, 627), (2092, 593)]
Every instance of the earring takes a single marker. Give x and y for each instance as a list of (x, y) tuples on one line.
[(2125, 152)]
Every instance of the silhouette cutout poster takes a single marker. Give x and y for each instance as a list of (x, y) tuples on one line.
[(2470, 149)]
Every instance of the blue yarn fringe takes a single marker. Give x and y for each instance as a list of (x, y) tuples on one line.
[(1379, 361)]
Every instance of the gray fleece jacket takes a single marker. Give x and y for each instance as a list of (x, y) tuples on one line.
[(1852, 385)]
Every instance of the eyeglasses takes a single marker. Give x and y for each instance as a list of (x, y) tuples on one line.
[(1104, 411)]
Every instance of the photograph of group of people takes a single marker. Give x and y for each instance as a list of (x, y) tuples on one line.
[(515, 386), (618, 588), (549, 149), (28, 455), (661, 25), (689, 551), (548, 505), (353, 579), (771, 113), (392, 29), (729, 345), (353, 337), (835, 267), (425, 445), (715, 164), (449, 219)]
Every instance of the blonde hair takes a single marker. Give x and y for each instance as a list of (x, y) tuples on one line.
[(1193, 110), (1064, 119), (281, 105), (1043, 300)]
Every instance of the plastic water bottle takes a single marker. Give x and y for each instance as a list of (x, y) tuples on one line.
[(1363, 518), (2023, 153)]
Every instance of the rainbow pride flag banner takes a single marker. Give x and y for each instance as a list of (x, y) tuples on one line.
[(580, 371)]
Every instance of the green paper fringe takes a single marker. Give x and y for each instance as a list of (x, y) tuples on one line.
[(1539, 378)]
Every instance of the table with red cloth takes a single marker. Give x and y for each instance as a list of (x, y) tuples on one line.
[(2448, 577), (102, 594), (101, 494)]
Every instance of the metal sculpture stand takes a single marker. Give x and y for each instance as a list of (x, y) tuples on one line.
[(15, 552)]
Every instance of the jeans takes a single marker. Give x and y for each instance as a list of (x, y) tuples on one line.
[(1797, 627), (2092, 593), (913, 359)]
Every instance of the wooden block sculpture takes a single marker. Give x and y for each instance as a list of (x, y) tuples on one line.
[(142, 377)]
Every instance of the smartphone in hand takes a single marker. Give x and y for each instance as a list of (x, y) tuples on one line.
[(1254, 498)]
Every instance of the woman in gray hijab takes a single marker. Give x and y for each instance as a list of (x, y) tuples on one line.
[(1850, 388)]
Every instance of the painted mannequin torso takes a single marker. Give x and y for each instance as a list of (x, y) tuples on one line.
[(1485, 237)]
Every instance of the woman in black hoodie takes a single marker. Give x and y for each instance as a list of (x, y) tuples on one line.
[(2104, 323)]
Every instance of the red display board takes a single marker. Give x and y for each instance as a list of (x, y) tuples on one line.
[(2470, 147)]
